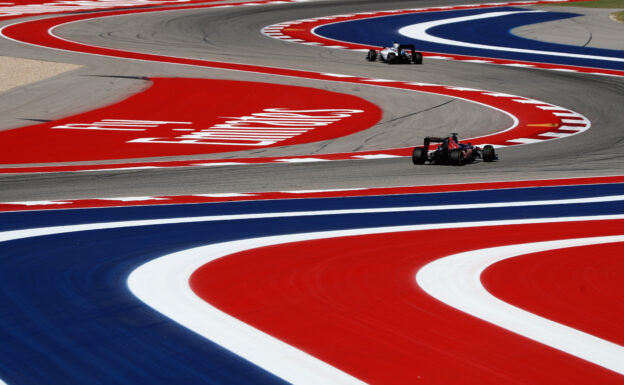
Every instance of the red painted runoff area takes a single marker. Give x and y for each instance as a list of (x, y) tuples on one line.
[(534, 121), (206, 116), (354, 303), (580, 287)]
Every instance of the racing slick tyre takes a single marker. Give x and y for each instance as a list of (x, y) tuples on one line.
[(417, 57), (456, 157), (489, 155), (371, 55), (392, 58), (419, 155)]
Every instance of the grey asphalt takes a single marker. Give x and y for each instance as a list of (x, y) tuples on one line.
[(233, 34)]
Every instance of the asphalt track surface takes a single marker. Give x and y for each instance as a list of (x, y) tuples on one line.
[(361, 302), (232, 34)]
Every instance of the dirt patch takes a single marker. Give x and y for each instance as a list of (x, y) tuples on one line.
[(16, 72)]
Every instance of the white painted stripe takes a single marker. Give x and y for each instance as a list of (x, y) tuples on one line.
[(163, 284), (552, 108), (335, 46), (573, 128), (419, 32), (225, 195), (520, 65), (476, 61), (423, 84), (376, 156), (556, 134), (379, 80), (568, 114), (133, 199), (582, 120), (26, 233), (323, 191), (456, 281), (438, 57), (216, 164), (525, 140), (37, 203), (301, 160), (528, 101), (337, 75), (500, 95), (120, 168), (462, 89)]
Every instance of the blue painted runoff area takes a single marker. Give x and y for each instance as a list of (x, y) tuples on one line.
[(67, 316), (494, 31)]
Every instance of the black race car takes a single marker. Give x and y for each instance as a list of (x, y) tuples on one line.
[(397, 54), (451, 151)]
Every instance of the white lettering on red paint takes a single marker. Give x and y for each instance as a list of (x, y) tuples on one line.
[(265, 128)]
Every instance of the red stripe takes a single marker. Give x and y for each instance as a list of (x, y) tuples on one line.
[(532, 120), (353, 302), (185, 199), (304, 32), (580, 287)]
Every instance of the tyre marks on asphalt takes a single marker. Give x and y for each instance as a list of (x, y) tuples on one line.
[(534, 120)]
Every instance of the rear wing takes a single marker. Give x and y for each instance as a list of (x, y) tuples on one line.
[(408, 47), (447, 142)]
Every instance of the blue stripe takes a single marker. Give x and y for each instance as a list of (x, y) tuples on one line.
[(68, 317), (20, 220), (382, 31)]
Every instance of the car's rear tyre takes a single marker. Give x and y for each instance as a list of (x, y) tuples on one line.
[(392, 58), (489, 155), (419, 155), (371, 55), (456, 156), (417, 57)]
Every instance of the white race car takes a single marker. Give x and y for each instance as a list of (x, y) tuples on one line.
[(397, 54)]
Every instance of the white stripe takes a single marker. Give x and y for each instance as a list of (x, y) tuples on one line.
[(500, 95), (520, 65), (322, 191), (419, 32), (528, 101), (163, 284), (552, 108), (557, 134), (301, 160), (525, 140), (376, 156), (476, 61), (227, 331), (224, 195), (133, 199), (337, 75), (120, 168), (37, 203), (568, 114), (456, 281), (582, 120), (573, 128), (219, 164)]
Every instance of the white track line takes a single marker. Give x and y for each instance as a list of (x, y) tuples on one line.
[(173, 297), (419, 32), (163, 284), (456, 281)]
